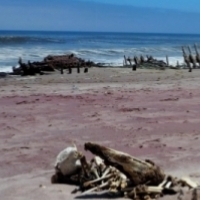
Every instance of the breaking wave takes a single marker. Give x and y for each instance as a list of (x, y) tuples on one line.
[(108, 48), (12, 40)]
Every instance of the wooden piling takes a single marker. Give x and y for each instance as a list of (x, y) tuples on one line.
[(142, 59), (135, 60), (70, 70), (129, 60), (186, 58), (125, 60), (167, 60), (78, 69), (86, 70), (61, 70), (197, 54), (191, 58)]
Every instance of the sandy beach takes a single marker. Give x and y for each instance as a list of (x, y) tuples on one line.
[(151, 114)]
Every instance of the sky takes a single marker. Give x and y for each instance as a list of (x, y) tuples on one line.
[(155, 16)]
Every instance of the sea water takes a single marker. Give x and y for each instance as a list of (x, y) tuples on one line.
[(99, 47)]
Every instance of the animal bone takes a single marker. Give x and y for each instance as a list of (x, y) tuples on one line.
[(97, 187), (98, 161), (94, 171), (114, 185), (86, 184), (99, 164), (152, 189), (138, 171), (168, 185), (187, 181), (85, 166), (68, 161), (106, 172), (143, 190), (161, 185)]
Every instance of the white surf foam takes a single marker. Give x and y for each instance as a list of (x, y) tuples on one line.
[(114, 57), (173, 60), (5, 68)]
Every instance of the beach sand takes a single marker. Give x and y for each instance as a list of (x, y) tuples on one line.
[(151, 114)]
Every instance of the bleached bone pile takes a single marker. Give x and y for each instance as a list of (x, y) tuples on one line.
[(116, 173)]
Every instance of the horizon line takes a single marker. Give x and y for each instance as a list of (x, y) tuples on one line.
[(89, 31)]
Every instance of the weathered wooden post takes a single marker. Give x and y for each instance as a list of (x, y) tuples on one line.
[(192, 58), (139, 60), (135, 60), (86, 70), (125, 60), (129, 60), (186, 59), (78, 69), (20, 61), (136, 63), (197, 54), (70, 69), (142, 59), (167, 60), (61, 69)]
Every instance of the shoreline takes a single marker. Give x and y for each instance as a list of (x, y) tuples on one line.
[(151, 114)]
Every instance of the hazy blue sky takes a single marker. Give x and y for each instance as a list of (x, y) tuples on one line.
[(175, 16)]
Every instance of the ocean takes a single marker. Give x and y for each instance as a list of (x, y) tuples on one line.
[(99, 47)]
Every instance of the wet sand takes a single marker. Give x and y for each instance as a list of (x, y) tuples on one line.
[(149, 113)]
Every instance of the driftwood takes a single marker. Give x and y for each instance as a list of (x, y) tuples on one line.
[(139, 172)]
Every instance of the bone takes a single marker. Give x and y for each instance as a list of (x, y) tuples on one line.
[(168, 184), (86, 184), (94, 171), (153, 189), (187, 181), (161, 185), (98, 161), (97, 187), (85, 166), (68, 161), (107, 171), (114, 185)]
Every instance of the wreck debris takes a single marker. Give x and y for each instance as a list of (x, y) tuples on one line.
[(186, 59), (197, 54), (51, 64), (167, 60), (192, 58), (191, 61), (116, 173), (140, 62)]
